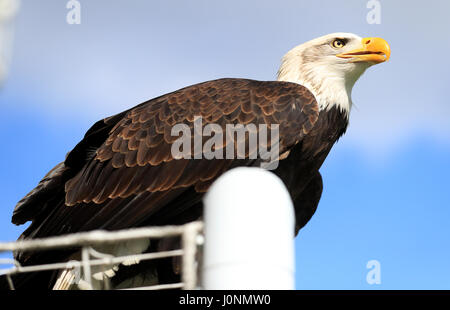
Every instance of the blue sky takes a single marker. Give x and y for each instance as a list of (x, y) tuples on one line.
[(386, 182)]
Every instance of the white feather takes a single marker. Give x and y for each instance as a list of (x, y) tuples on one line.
[(314, 65), (71, 278)]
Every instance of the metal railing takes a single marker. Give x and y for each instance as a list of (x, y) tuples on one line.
[(191, 240)]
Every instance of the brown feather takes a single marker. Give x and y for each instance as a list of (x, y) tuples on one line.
[(135, 156)]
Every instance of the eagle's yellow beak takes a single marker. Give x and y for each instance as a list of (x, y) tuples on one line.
[(374, 50)]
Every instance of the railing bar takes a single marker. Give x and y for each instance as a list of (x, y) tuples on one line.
[(10, 282), (86, 266), (189, 272), (95, 237), (94, 262)]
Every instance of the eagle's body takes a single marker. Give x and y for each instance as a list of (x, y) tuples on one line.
[(122, 174)]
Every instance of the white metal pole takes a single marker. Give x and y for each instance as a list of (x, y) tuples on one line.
[(249, 232)]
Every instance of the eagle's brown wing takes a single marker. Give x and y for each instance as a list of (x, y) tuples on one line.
[(123, 174)]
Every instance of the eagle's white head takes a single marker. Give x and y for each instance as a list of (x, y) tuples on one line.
[(330, 65)]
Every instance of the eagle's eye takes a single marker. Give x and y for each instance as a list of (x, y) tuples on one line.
[(338, 43)]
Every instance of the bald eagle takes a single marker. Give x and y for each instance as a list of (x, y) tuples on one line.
[(123, 174)]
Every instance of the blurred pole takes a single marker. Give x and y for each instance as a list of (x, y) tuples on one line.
[(249, 232), (8, 11)]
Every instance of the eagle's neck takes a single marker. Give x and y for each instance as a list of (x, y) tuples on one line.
[(331, 86)]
